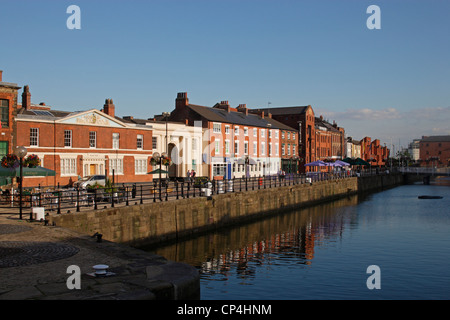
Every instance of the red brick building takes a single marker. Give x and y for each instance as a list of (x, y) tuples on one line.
[(82, 143), (231, 135), (373, 152), (302, 120), (435, 151), (330, 140)]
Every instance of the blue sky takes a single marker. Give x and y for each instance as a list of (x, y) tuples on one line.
[(392, 84)]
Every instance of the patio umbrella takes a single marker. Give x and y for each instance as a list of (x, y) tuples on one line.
[(157, 171), (317, 163), (27, 172), (361, 162), (350, 161), (340, 163)]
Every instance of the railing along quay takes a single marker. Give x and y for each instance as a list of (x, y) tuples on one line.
[(70, 200)]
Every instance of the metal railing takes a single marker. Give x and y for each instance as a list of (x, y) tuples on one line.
[(70, 200)]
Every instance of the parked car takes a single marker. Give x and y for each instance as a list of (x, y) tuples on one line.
[(85, 182)]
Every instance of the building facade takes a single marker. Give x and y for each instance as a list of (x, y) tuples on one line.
[(181, 142), (302, 120), (83, 143), (236, 142), (435, 151)]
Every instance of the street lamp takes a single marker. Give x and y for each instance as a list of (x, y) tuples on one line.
[(159, 158), (21, 152), (269, 147), (166, 115)]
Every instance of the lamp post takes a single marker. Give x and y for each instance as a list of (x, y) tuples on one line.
[(166, 115), (269, 146), (158, 158), (21, 152)]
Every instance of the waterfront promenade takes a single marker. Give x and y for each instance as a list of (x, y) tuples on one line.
[(35, 255), (34, 259)]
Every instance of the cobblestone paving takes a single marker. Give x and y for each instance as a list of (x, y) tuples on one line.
[(11, 228), (22, 253)]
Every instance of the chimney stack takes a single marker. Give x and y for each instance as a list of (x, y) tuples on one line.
[(109, 107), (182, 100), (243, 108), (1, 75), (26, 98)]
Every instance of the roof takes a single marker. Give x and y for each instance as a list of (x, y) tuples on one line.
[(43, 114), (9, 85), (436, 139), (239, 118), (284, 110)]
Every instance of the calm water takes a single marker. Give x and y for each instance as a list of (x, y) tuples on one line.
[(323, 252)]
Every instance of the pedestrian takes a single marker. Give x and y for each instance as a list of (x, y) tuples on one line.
[(193, 173)]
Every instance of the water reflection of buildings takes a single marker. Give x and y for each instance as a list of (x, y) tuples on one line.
[(296, 244), (281, 239)]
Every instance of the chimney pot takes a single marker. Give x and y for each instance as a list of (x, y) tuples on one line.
[(109, 108), (182, 100), (26, 98), (1, 75)]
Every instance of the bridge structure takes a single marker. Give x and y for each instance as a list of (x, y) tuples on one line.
[(426, 171)]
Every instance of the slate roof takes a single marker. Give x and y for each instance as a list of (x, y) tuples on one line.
[(239, 118), (279, 111), (436, 139)]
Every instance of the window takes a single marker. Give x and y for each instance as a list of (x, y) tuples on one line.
[(288, 135), (116, 165), (289, 149), (227, 129), (68, 138), (217, 147), (227, 147), (255, 148), (270, 133), (263, 133), (4, 113), (155, 142), (139, 141), (293, 149), (276, 134), (283, 150), (255, 132), (69, 166), (217, 128), (245, 131), (246, 147), (3, 148), (236, 130), (263, 148), (115, 140), (282, 134), (92, 139), (219, 169), (236, 147), (140, 166), (34, 137), (276, 149), (270, 148)]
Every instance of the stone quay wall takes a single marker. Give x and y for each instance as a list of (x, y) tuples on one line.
[(164, 221)]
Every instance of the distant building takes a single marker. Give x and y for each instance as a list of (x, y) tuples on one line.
[(330, 140), (435, 151), (373, 152), (414, 150)]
